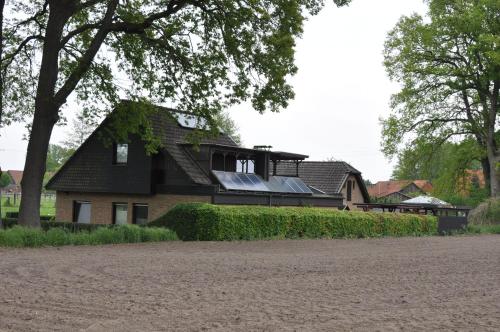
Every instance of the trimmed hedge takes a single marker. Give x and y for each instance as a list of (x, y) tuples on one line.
[(200, 221), (29, 237)]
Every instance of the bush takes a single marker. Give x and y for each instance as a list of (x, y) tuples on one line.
[(9, 222), (58, 236), (483, 229), (199, 221), (12, 214), (486, 213)]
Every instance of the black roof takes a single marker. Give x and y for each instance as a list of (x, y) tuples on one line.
[(327, 176), (81, 174), (174, 137)]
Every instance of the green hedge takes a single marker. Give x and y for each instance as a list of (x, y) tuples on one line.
[(199, 221), (29, 237)]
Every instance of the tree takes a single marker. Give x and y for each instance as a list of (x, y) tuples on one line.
[(79, 132), (199, 55), (5, 180), (427, 161), (228, 126), (446, 166), (449, 69), (56, 157)]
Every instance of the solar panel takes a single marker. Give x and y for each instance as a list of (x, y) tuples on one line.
[(287, 184), (240, 181), (253, 182)]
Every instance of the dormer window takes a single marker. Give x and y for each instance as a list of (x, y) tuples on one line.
[(120, 154)]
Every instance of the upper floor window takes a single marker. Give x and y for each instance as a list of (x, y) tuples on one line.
[(120, 154)]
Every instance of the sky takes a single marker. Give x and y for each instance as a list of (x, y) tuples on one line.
[(341, 92)]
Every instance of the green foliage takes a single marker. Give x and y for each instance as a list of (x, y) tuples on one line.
[(28, 237), (486, 213), (445, 166), (216, 223), (449, 67), (47, 205), (198, 56), (228, 126), (56, 157), (5, 180), (427, 161), (483, 229)]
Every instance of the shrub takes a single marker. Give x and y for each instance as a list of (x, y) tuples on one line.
[(199, 221), (12, 214), (487, 212), (18, 236), (483, 229)]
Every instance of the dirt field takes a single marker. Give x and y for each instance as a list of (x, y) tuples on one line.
[(450, 283)]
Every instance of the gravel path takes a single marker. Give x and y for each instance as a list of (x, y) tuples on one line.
[(448, 283)]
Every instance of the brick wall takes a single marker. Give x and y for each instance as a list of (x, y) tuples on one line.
[(102, 204)]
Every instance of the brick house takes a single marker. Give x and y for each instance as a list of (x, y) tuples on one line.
[(331, 178), (121, 183)]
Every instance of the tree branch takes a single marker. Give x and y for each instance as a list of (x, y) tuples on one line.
[(87, 58)]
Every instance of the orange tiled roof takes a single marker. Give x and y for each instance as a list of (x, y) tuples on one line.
[(384, 188), (424, 185)]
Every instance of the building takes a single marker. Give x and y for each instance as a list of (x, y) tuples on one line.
[(14, 186), (331, 178), (121, 183), (396, 191)]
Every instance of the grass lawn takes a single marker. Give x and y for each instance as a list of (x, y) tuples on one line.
[(47, 205)]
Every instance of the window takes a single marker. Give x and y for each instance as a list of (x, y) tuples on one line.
[(120, 213), (349, 191), (81, 212), (120, 154), (353, 185), (140, 214)]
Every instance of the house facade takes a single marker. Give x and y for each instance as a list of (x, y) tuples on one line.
[(120, 183), (331, 178)]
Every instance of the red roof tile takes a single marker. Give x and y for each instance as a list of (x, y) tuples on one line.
[(16, 176)]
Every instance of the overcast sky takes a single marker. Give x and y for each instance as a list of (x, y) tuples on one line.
[(341, 92)]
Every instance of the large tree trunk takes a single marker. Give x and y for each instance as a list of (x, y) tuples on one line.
[(491, 144), (2, 4), (45, 117), (493, 160), (34, 168), (485, 163)]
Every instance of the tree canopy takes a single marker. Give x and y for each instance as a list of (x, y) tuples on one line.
[(448, 65), (195, 55)]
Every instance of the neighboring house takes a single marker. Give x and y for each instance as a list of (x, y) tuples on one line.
[(396, 191), (120, 183), (331, 178), (15, 182)]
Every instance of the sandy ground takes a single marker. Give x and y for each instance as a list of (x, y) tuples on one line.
[(450, 283)]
